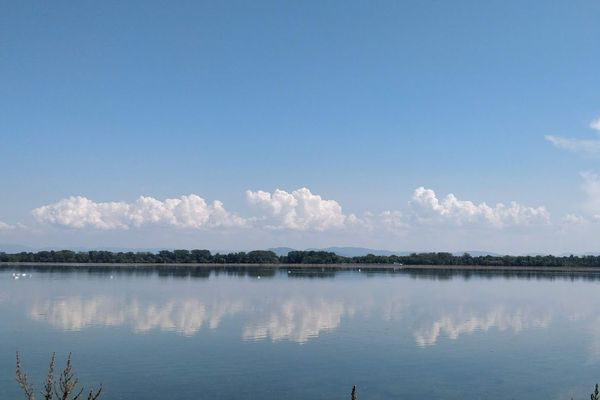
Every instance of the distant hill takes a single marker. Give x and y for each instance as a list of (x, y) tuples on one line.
[(345, 251), (476, 253), (341, 251), (361, 251), (15, 248), (348, 251)]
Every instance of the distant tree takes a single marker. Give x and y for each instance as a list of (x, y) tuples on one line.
[(182, 256), (262, 257), (201, 256), (296, 257)]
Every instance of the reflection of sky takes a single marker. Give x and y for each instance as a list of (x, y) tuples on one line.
[(468, 321), (185, 316), (298, 310)]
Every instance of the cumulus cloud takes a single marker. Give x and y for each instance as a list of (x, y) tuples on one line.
[(185, 212), (589, 146), (393, 220), (6, 227), (574, 219), (428, 208), (590, 204), (300, 210), (296, 211), (591, 188)]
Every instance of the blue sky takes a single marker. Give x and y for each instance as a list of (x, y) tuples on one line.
[(360, 102)]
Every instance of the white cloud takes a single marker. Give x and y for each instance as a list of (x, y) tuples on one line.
[(185, 212), (300, 210), (590, 146), (574, 219), (5, 227), (292, 213), (387, 221), (428, 208), (591, 188)]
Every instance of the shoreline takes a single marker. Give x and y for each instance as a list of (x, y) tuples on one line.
[(388, 267)]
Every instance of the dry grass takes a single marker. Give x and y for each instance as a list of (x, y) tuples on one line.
[(66, 388)]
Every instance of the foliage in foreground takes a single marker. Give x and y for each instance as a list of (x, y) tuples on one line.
[(594, 396), (66, 388)]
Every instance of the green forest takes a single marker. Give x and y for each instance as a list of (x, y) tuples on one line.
[(293, 257)]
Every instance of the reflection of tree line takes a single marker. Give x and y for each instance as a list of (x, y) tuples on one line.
[(297, 257), (185, 271)]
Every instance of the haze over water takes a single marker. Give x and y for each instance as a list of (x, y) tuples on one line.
[(297, 334)]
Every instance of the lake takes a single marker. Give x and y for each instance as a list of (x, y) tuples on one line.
[(258, 333)]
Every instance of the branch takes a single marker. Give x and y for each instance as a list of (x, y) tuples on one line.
[(22, 381), (49, 384)]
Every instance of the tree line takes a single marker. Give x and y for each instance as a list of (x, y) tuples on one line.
[(293, 257)]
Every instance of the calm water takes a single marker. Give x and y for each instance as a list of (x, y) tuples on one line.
[(228, 334)]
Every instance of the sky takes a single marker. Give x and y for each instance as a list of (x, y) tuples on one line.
[(404, 125)]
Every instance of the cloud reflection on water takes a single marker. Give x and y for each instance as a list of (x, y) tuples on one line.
[(461, 322), (298, 309), (298, 319), (185, 316)]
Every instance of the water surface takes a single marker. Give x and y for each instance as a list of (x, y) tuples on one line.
[(271, 334)]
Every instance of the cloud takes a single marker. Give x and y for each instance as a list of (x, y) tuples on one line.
[(574, 219), (297, 211), (591, 188), (591, 202), (590, 146), (6, 227), (427, 208), (300, 210), (185, 212), (393, 220)]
